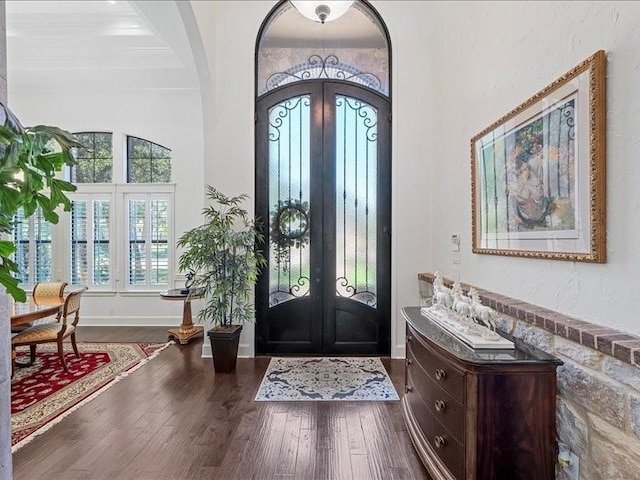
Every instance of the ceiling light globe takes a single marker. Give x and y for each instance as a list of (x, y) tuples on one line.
[(322, 11)]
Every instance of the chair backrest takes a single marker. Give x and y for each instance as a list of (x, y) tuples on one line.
[(48, 290), (72, 306)]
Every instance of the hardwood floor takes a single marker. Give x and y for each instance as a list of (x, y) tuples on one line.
[(175, 419)]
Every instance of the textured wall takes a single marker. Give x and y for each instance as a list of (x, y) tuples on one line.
[(458, 67), (491, 58)]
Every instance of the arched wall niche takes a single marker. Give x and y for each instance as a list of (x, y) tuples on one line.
[(354, 47)]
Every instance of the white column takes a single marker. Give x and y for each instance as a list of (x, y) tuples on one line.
[(5, 324)]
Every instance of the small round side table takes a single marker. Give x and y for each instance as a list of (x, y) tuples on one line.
[(187, 331)]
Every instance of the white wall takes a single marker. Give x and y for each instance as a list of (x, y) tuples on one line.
[(488, 57), (229, 30), (172, 119), (457, 67)]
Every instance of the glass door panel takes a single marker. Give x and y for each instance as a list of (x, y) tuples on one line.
[(289, 200), (356, 200)]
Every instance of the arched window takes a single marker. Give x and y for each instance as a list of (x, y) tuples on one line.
[(353, 47), (147, 162), (106, 214)]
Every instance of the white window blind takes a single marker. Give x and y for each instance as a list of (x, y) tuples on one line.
[(33, 255), (91, 247), (149, 233)]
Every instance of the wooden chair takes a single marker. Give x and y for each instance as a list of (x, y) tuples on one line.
[(48, 289), (42, 290), (63, 327)]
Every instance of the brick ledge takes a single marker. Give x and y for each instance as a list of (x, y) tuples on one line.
[(615, 343)]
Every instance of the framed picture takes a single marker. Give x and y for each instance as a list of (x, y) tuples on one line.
[(538, 173)]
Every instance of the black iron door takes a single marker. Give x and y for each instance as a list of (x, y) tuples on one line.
[(323, 175)]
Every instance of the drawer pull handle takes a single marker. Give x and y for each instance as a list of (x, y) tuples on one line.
[(440, 405), (440, 374), (439, 441), (409, 362), (409, 388), (409, 338)]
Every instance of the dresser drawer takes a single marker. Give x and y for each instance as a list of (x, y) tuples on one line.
[(442, 406), (446, 447), (443, 373)]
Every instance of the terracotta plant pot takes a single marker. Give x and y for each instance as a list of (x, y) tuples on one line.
[(224, 347)]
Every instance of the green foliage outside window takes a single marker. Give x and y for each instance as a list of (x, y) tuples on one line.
[(148, 162), (94, 159)]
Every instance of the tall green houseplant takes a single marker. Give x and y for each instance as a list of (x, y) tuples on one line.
[(30, 158), (223, 252)]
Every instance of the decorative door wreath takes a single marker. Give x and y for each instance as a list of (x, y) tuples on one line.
[(289, 229)]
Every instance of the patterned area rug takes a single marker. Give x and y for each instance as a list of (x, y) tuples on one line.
[(43, 394), (325, 378)]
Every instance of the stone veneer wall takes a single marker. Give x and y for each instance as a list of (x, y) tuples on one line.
[(598, 404)]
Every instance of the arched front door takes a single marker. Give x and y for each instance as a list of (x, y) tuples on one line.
[(323, 176)]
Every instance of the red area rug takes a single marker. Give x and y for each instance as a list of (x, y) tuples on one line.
[(43, 394)]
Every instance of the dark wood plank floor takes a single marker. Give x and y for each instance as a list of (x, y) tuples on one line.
[(175, 419)]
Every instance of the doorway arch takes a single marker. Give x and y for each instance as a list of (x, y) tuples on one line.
[(323, 183)]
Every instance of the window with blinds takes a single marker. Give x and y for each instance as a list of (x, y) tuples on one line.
[(32, 239), (117, 236), (90, 242), (149, 232)]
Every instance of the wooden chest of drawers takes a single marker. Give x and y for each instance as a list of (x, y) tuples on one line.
[(478, 414)]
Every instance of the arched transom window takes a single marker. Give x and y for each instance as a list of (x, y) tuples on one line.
[(353, 48)]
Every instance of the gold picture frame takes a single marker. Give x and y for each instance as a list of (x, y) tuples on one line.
[(538, 179)]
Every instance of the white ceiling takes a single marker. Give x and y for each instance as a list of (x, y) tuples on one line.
[(97, 45)]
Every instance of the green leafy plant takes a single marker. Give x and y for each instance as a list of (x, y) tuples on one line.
[(224, 256), (30, 157)]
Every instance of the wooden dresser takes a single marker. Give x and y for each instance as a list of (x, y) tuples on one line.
[(478, 414)]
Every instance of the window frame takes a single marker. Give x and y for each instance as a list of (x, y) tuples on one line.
[(90, 192), (128, 158), (149, 192), (32, 273), (113, 170), (117, 193)]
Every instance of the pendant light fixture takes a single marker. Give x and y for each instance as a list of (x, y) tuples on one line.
[(322, 11)]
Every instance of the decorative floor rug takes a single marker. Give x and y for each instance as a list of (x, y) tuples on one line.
[(43, 394), (318, 379)]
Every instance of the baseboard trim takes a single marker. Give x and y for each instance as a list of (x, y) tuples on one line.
[(245, 350), (130, 321), (399, 351)]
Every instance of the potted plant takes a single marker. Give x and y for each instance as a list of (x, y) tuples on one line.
[(223, 252), (30, 159)]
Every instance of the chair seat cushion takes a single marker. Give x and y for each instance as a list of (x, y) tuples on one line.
[(44, 332), (20, 328)]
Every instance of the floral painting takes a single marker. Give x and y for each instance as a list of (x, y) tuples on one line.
[(538, 175), (529, 175)]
